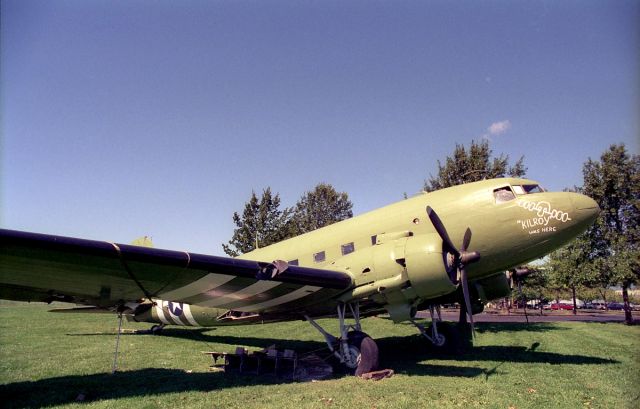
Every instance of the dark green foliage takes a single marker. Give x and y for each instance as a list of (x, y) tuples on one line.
[(614, 182), (262, 223), (319, 208), (570, 268), (533, 286), (473, 165)]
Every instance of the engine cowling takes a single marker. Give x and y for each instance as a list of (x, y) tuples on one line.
[(428, 269), (400, 272)]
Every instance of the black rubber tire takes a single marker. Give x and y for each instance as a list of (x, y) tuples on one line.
[(457, 338), (156, 329), (368, 357), (444, 331)]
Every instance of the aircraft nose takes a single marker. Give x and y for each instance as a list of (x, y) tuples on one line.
[(585, 206)]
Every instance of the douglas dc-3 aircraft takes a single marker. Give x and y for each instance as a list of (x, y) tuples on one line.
[(446, 246)]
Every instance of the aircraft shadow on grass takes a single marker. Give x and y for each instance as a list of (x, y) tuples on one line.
[(404, 354), (501, 327), (144, 382)]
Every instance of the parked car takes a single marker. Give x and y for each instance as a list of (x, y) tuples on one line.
[(615, 306), (561, 306)]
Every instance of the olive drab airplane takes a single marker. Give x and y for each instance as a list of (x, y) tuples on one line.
[(452, 245)]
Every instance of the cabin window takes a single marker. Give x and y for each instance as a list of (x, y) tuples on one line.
[(294, 262), (319, 257), (347, 248), (503, 194)]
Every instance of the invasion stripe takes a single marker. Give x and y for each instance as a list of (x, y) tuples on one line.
[(225, 289), (322, 297), (174, 317), (187, 313), (256, 288), (160, 314), (279, 291), (299, 293), (207, 282)]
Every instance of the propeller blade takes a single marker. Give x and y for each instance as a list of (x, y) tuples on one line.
[(522, 271), (442, 232), (466, 240), (469, 257), (467, 300)]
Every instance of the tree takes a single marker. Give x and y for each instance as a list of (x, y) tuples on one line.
[(533, 286), (262, 223), (570, 268), (471, 166), (614, 183), (320, 207)]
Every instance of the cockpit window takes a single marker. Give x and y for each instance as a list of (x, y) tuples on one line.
[(503, 194), (526, 189)]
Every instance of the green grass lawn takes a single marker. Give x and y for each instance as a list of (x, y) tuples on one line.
[(50, 359)]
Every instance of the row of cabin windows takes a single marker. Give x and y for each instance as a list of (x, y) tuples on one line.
[(321, 256), (503, 194)]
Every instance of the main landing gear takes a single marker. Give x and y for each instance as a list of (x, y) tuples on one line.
[(437, 338), (355, 349), (446, 336)]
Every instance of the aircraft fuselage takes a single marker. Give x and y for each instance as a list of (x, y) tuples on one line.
[(398, 261)]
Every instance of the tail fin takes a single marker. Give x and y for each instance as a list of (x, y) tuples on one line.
[(143, 242)]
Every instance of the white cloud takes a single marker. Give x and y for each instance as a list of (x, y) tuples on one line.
[(498, 128)]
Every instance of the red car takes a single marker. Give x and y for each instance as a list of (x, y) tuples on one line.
[(561, 306)]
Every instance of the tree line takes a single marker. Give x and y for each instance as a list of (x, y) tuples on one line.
[(264, 222), (606, 255)]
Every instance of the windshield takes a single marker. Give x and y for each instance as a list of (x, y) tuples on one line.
[(526, 189)]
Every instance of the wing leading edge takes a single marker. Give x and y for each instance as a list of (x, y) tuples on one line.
[(40, 267)]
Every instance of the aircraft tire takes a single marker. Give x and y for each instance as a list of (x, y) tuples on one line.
[(444, 330), (457, 338), (367, 352), (156, 329)]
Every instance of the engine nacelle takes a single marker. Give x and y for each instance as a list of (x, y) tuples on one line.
[(399, 272), (427, 268), (493, 287)]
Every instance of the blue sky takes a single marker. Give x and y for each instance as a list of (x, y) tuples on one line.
[(126, 118)]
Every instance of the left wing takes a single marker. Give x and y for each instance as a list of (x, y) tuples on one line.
[(40, 267)]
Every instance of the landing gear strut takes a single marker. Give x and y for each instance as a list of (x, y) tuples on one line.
[(355, 349), (436, 338)]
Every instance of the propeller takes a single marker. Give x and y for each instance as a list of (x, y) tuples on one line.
[(461, 257)]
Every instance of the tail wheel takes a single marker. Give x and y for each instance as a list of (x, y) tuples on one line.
[(156, 329), (363, 351)]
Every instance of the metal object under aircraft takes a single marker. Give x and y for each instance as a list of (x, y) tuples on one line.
[(450, 245)]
